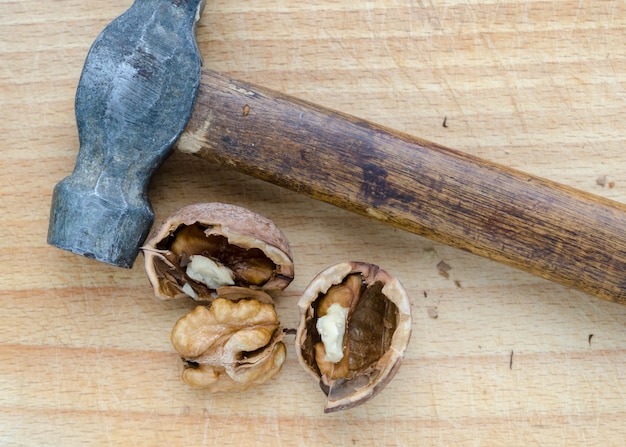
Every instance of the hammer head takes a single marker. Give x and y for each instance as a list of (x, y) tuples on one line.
[(134, 98)]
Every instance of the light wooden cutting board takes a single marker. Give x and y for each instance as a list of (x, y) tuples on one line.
[(497, 357)]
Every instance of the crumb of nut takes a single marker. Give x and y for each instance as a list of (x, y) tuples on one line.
[(444, 269), (601, 181), (230, 345)]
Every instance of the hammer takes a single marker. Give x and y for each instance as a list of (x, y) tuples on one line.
[(143, 92)]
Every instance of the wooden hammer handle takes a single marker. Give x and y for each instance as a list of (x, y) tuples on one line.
[(550, 230)]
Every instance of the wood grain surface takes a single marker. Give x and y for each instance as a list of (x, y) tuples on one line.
[(497, 357)]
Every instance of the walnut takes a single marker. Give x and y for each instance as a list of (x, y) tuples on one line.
[(231, 344), (354, 330), (205, 246)]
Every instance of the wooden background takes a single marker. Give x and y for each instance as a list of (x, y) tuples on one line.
[(498, 357)]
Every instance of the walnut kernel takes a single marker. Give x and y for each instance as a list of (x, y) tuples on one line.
[(230, 345)]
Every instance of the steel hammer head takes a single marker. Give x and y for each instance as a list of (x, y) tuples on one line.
[(134, 98)]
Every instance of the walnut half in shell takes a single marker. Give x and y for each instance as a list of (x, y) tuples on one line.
[(354, 329), (205, 246)]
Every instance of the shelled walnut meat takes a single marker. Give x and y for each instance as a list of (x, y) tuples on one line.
[(231, 344), (354, 330), (205, 246)]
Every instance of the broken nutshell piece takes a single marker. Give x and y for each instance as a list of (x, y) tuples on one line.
[(205, 246), (231, 344), (355, 326)]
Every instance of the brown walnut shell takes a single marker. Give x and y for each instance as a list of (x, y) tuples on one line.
[(377, 332), (250, 246)]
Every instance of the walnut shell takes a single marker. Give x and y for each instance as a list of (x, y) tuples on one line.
[(252, 251), (377, 332)]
